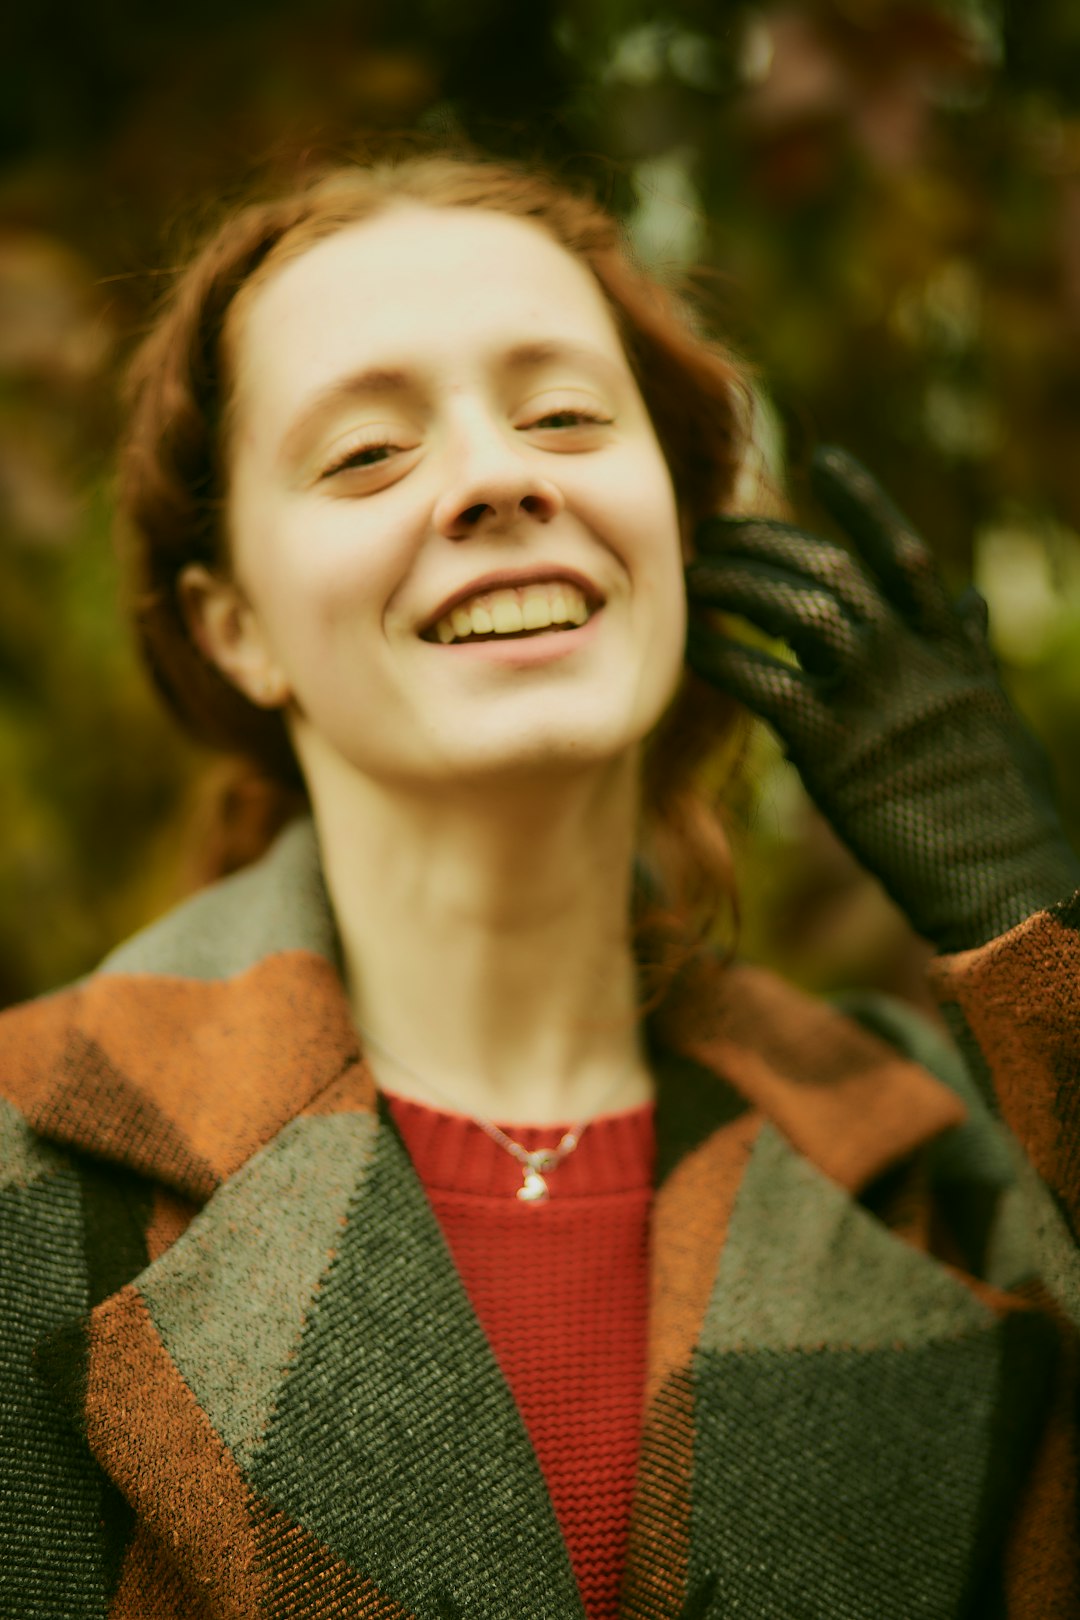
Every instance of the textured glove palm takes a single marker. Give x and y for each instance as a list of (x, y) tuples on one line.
[(896, 720)]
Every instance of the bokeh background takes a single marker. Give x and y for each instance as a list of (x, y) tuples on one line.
[(882, 198)]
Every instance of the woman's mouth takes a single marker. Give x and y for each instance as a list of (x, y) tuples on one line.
[(521, 647)]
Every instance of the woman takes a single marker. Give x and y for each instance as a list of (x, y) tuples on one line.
[(369, 1253)]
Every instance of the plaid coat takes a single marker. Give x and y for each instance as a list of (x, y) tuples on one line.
[(240, 1376)]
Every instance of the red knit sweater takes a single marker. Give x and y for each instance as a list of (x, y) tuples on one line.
[(561, 1290)]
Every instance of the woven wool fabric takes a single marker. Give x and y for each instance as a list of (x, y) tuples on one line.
[(241, 1373), (561, 1290)]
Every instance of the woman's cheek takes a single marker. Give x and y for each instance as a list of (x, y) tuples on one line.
[(326, 564)]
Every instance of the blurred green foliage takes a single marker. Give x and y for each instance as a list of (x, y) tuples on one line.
[(882, 198)]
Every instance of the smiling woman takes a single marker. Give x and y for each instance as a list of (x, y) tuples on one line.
[(375, 1237), (185, 405)]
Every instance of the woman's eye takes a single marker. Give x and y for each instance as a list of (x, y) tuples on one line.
[(358, 457), (559, 418)]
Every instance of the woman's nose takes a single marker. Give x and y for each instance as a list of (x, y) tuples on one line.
[(492, 482)]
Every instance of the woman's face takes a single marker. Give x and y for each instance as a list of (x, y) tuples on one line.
[(422, 400)]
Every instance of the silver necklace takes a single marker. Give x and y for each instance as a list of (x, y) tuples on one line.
[(535, 1165)]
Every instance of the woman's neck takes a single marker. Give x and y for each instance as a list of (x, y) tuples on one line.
[(491, 957)]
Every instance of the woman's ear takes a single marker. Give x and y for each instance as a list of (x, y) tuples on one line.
[(223, 625)]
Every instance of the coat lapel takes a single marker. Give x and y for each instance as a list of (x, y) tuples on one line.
[(300, 1379), (309, 1351), (825, 1431)]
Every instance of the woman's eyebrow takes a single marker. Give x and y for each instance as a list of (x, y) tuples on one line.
[(376, 380)]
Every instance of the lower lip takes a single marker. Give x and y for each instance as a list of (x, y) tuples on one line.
[(537, 649)]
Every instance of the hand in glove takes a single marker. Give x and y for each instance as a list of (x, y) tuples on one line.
[(896, 721)]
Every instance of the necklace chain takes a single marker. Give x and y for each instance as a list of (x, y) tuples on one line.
[(534, 1189)]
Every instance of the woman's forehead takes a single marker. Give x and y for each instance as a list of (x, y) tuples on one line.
[(421, 275)]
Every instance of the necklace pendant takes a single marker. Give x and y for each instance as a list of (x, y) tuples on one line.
[(534, 1188)]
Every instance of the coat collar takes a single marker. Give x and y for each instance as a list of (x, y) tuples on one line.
[(199, 1039)]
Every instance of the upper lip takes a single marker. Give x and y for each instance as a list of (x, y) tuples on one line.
[(508, 578)]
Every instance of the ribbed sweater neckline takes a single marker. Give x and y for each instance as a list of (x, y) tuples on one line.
[(453, 1153)]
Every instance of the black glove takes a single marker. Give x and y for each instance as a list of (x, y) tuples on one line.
[(896, 721)]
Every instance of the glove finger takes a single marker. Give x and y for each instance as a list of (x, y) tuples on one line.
[(819, 562), (719, 532), (812, 620), (973, 611), (773, 690), (901, 561)]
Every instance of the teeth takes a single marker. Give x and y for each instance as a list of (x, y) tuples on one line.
[(532, 608), (506, 616)]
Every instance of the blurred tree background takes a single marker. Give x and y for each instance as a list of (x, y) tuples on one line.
[(884, 200)]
